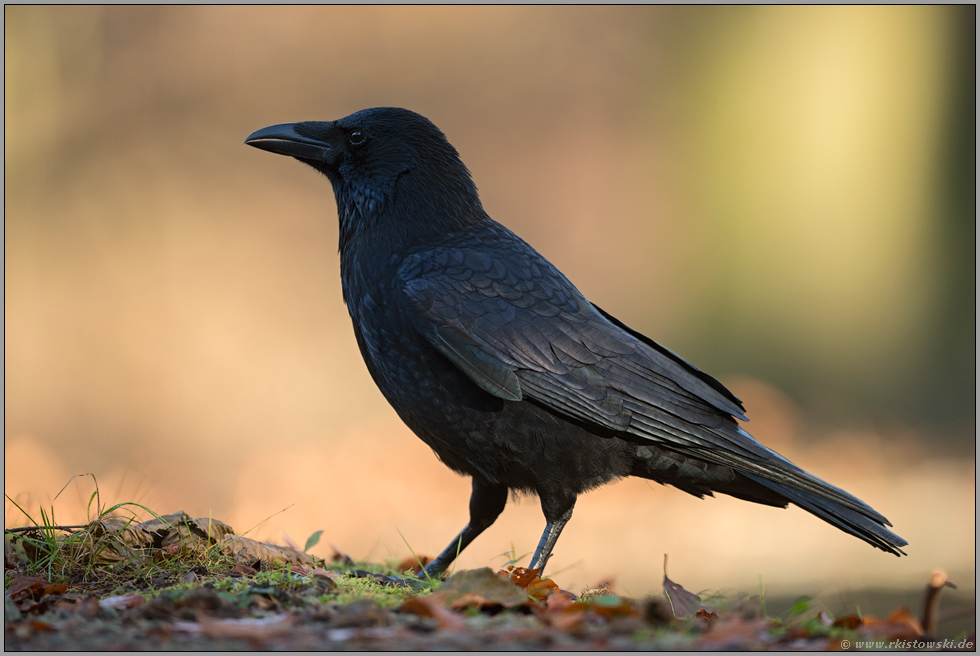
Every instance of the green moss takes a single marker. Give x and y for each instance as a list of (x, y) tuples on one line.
[(352, 588)]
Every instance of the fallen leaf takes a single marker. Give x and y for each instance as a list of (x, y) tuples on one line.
[(27, 586), (412, 564), (849, 622), (557, 603), (682, 603), (116, 539), (433, 609), (242, 570), (189, 577), (38, 625), (470, 600), (169, 551), (541, 588), (179, 528), (610, 606), (702, 614), (87, 607), (520, 575), (246, 628), (303, 570), (122, 602), (483, 582), (59, 589), (900, 625), (248, 549)]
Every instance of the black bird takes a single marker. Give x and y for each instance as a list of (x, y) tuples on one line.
[(498, 363)]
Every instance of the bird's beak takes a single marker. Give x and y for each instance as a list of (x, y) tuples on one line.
[(312, 141)]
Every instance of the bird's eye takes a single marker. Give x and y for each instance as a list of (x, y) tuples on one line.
[(357, 137)]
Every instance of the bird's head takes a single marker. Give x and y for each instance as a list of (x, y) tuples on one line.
[(388, 166)]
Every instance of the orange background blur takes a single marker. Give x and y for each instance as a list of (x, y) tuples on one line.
[(784, 196)]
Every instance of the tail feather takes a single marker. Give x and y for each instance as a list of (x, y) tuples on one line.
[(860, 525)]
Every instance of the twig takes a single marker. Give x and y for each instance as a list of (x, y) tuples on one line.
[(930, 607), (268, 518), (25, 529)]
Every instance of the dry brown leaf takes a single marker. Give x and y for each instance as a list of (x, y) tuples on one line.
[(178, 527), (87, 608), (59, 589), (558, 603), (900, 625), (682, 603), (169, 551), (484, 582), (22, 587), (541, 588), (122, 602), (702, 614), (562, 614), (303, 570), (471, 600), (163, 526), (116, 539), (39, 625), (243, 570), (433, 609), (520, 575), (412, 564), (248, 549), (849, 622), (528, 579), (246, 628)]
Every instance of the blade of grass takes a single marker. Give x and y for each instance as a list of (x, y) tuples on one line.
[(267, 519), (415, 557), (459, 547), (565, 569)]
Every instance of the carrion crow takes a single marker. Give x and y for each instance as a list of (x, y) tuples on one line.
[(498, 363)]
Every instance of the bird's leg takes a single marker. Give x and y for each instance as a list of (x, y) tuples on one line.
[(557, 512), (486, 504)]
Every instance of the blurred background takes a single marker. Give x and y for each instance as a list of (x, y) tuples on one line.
[(784, 196)]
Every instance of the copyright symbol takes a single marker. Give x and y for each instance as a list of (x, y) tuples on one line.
[(845, 644)]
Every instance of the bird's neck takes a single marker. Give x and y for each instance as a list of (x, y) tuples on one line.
[(378, 229), (373, 244)]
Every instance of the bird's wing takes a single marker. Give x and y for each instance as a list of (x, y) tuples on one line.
[(519, 329)]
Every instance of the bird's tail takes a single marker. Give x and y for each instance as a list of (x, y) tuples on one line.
[(870, 529), (794, 485)]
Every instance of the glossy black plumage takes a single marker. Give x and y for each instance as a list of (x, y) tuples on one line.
[(494, 359)]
